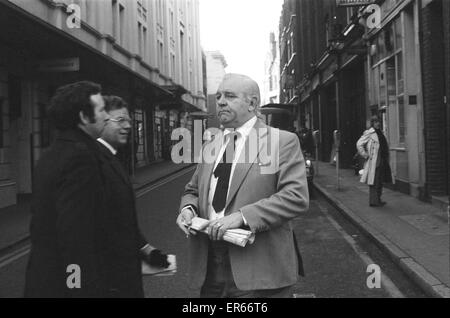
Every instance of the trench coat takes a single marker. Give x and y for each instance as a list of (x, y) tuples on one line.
[(368, 147)]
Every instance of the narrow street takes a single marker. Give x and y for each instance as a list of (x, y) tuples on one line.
[(335, 254)]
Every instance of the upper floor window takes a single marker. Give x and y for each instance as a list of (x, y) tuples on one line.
[(118, 21), (142, 40)]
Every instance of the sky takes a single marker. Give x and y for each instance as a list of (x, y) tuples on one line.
[(240, 30)]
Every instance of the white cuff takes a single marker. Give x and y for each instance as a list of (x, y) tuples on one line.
[(190, 208), (243, 218)]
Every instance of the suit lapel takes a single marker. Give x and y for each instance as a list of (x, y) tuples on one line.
[(244, 165), (120, 170), (114, 163)]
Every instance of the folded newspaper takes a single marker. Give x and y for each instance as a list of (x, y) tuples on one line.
[(235, 236)]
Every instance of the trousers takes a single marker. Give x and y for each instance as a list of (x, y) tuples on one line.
[(219, 282), (376, 190)]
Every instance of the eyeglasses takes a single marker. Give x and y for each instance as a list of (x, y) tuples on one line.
[(121, 121)]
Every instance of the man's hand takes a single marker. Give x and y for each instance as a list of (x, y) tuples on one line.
[(157, 258), (217, 228), (184, 221)]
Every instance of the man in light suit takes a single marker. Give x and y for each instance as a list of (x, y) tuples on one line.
[(240, 194)]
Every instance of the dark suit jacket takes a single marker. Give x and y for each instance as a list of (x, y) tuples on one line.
[(269, 199), (71, 225), (123, 239)]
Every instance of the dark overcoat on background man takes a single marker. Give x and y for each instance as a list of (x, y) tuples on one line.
[(87, 218), (66, 217)]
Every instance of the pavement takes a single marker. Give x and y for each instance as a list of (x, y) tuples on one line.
[(15, 220), (413, 233)]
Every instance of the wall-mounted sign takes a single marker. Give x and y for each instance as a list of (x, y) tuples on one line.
[(354, 3), (59, 65), (412, 99)]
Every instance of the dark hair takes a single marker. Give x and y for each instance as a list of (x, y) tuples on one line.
[(114, 103), (69, 101)]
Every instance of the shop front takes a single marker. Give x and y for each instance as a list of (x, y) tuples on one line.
[(395, 96)]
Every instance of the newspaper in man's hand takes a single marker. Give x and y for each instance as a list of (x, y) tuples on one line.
[(238, 237)]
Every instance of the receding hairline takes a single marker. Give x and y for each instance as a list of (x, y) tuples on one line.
[(251, 86)]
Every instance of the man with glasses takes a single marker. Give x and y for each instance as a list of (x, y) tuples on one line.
[(124, 246)]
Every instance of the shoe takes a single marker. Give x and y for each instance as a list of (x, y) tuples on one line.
[(382, 203)]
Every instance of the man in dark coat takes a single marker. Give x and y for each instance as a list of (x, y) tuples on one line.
[(124, 246), (68, 200)]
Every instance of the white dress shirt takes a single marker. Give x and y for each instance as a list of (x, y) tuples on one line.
[(244, 131), (107, 145)]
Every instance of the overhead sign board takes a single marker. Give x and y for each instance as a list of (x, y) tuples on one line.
[(354, 3), (59, 65)]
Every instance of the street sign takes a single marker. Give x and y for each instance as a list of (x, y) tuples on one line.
[(354, 3), (59, 65)]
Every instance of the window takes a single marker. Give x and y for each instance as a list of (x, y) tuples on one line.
[(172, 65), (400, 99), (159, 11), (114, 13), (182, 56), (401, 120), (161, 57), (388, 82), (118, 21), (172, 24), (121, 24), (142, 40)]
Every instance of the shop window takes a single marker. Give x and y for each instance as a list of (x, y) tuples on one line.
[(382, 89), (400, 80), (381, 46), (388, 93), (398, 34), (391, 83), (401, 120), (389, 39)]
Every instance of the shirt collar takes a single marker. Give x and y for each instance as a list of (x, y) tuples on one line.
[(107, 145), (245, 129)]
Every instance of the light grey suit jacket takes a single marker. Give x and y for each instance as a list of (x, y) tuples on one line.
[(268, 202)]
